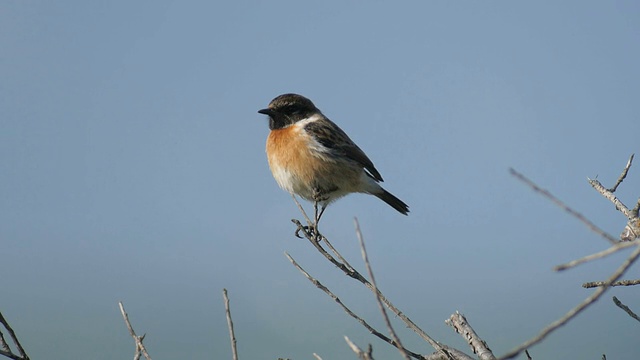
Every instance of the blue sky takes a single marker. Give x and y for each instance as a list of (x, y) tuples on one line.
[(132, 169)]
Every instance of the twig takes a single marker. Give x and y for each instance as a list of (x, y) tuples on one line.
[(593, 284), (479, 347), (365, 258), (625, 308), (611, 197), (364, 355), (563, 206), (338, 255), (140, 349), (354, 274), (623, 175), (317, 356), (528, 356), (375, 332), (6, 351), (575, 311), (304, 213), (632, 229), (615, 248), (232, 334)]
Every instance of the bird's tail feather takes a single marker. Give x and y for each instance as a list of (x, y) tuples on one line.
[(393, 201)]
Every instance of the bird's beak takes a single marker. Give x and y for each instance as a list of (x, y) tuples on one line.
[(266, 111)]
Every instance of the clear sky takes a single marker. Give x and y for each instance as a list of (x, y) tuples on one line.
[(132, 168)]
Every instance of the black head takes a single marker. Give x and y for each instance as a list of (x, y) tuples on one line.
[(288, 109)]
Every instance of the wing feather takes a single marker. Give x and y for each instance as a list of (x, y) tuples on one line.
[(327, 133)]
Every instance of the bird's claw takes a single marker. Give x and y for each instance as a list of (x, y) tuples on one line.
[(310, 231)]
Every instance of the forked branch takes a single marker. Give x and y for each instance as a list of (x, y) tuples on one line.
[(5, 350), (140, 349)]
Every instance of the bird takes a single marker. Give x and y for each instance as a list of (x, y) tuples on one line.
[(312, 157)]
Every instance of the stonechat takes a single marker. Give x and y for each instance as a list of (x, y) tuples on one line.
[(310, 156)]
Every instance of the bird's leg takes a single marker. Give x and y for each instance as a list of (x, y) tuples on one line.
[(317, 198), (321, 212)]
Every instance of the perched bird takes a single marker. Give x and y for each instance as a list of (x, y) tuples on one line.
[(310, 156)]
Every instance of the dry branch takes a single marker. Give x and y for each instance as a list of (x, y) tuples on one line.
[(349, 312), (593, 284), (351, 272), (576, 310), (593, 227), (232, 335), (615, 248), (365, 258), (364, 355), (632, 229), (6, 350), (140, 349), (479, 347), (625, 308)]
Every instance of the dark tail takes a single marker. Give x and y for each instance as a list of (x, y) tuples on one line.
[(393, 201)]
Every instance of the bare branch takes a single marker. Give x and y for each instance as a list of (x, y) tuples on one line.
[(528, 356), (615, 248), (575, 311), (563, 206), (304, 213), (625, 308), (593, 284), (636, 209), (611, 197), (140, 349), (632, 229), (317, 356), (479, 347), (232, 334), (6, 350), (364, 355), (375, 332), (365, 258), (623, 175), (354, 274)]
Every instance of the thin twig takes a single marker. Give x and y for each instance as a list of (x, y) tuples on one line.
[(22, 355), (479, 347), (575, 311), (611, 197), (528, 356), (337, 254), (357, 276), (563, 206), (232, 334), (623, 175), (613, 249), (365, 258), (363, 355), (636, 209), (625, 308), (140, 349), (317, 356), (326, 290), (304, 213), (593, 284), (351, 272)]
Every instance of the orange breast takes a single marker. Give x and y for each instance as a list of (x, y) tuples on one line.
[(300, 166), (292, 163)]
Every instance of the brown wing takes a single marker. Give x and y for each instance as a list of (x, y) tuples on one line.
[(327, 133)]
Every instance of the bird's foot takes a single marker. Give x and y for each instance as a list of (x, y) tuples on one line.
[(310, 231)]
